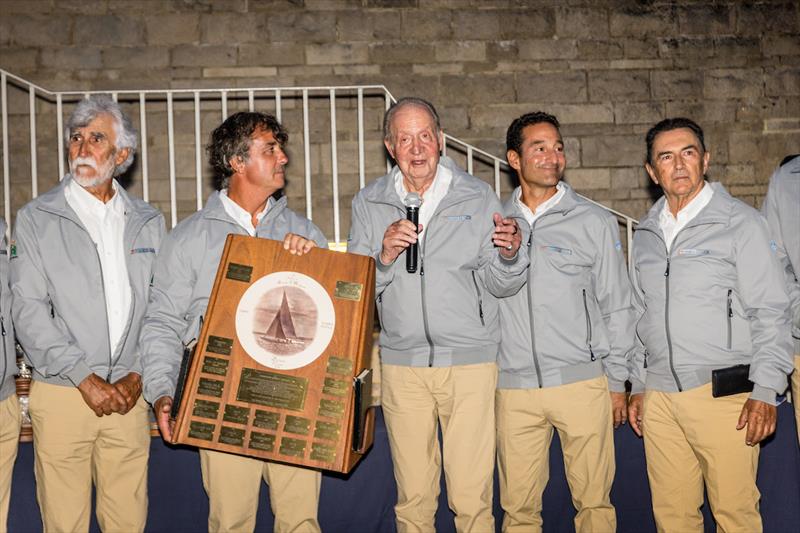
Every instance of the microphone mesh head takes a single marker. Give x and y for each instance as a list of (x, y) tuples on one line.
[(412, 200)]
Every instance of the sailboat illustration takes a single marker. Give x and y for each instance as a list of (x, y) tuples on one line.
[(281, 330)]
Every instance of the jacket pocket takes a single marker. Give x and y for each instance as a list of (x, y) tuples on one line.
[(729, 316), (480, 298), (588, 325)]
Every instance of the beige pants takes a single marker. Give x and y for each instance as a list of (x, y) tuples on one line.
[(233, 482), (460, 399), (691, 438), (74, 447), (796, 393), (9, 437), (581, 413)]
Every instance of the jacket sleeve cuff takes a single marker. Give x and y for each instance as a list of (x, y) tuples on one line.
[(637, 387), (509, 261), (381, 266), (615, 385), (763, 394), (78, 373)]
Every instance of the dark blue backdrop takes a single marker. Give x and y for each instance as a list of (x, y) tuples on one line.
[(363, 501)]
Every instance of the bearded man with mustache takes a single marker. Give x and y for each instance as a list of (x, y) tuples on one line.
[(81, 264)]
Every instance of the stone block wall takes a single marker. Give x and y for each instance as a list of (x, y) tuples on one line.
[(608, 69)]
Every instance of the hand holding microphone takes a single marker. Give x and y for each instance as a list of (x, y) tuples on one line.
[(402, 234)]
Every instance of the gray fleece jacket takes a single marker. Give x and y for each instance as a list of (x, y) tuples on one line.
[(782, 209), (184, 276), (8, 357), (574, 319), (717, 299), (59, 303), (445, 314)]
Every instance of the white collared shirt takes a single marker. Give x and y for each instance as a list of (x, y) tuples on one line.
[(105, 223), (240, 214), (541, 209), (431, 198), (670, 225)]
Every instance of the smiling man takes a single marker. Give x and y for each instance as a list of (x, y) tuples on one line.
[(247, 155), (80, 276), (439, 327), (565, 338), (712, 298)]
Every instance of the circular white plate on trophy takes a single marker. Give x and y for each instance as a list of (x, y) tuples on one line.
[(285, 320)]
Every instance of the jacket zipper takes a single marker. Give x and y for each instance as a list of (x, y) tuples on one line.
[(530, 312), (480, 299), (730, 316), (666, 326), (5, 350), (425, 324), (588, 326), (105, 312)]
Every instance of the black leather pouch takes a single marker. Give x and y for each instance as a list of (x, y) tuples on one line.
[(730, 380)]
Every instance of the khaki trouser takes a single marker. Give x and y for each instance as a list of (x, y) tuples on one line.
[(233, 482), (691, 438), (581, 412), (796, 393), (461, 400), (9, 437), (74, 447)]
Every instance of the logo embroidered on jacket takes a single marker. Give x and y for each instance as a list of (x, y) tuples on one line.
[(458, 217), (693, 252), (618, 246), (556, 249), (143, 251)]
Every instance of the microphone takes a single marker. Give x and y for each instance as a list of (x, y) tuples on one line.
[(412, 202)]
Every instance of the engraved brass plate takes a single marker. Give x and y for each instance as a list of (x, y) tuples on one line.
[(239, 272), (272, 390), (210, 387), (205, 409), (234, 436), (266, 420), (327, 430), (323, 452), (297, 424), (335, 387), (293, 447), (348, 291), (236, 414), (201, 430), (215, 365), (337, 365), (220, 345), (262, 441), (331, 408)]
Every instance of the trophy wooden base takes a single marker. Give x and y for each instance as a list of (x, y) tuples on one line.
[(280, 368)]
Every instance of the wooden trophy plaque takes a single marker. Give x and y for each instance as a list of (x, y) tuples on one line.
[(280, 368)]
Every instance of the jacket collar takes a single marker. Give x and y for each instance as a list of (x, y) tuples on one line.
[(568, 202), (214, 209), (462, 187), (717, 211)]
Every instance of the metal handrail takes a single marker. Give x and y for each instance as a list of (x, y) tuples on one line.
[(223, 94)]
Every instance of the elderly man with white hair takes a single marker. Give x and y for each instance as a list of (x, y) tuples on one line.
[(80, 270)]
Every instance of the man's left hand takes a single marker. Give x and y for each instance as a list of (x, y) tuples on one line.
[(506, 236), (619, 408), (130, 387), (760, 419), (297, 244)]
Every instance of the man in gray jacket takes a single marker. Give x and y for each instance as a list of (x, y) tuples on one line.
[(782, 209), (9, 406), (81, 263), (564, 339), (247, 155), (439, 334), (712, 297)]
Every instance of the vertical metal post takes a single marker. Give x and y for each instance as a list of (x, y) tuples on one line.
[(173, 200), (6, 171), (198, 150), (307, 154), (278, 109), (32, 113), (251, 102), (143, 151), (497, 177), (224, 98), (361, 180), (334, 168), (60, 134)]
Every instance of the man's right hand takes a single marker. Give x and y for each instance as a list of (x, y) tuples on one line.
[(635, 412), (162, 407), (398, 236), (102, 397)]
